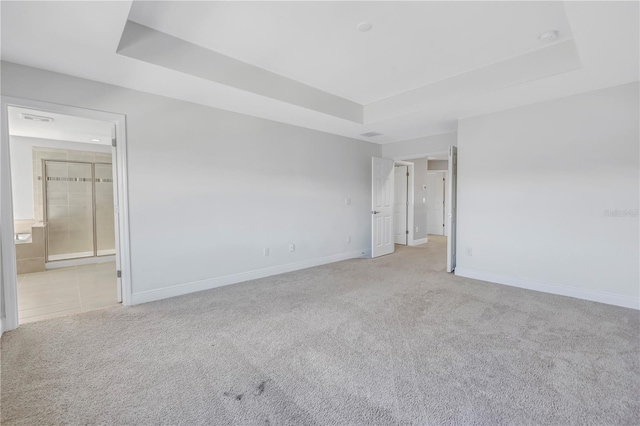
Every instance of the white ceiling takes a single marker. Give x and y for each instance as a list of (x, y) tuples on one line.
[(421, 67), (63, 127), (316, 43)]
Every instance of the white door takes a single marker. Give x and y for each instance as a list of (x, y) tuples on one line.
[(400, 198), (451, 192), (435, 203), (381, 206)]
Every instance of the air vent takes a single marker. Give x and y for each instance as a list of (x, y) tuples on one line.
[(36, 118), (371, 134)]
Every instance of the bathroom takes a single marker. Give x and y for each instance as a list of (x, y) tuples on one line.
[(63, 207)]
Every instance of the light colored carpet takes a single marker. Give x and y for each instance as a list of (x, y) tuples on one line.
[(393, 340)]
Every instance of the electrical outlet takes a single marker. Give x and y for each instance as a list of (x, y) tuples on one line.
[(469, 251), (265, 251), (347, 201), (349, 239), (424, 200), (292, 247), (417, 229)]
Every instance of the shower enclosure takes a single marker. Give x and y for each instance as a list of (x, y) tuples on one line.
[(78, 209)]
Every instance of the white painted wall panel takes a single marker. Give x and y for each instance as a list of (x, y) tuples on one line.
[(209, 189), (535, 185)]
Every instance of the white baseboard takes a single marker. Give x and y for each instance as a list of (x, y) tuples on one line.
[(419, 242), (561, 290), (192, 287)]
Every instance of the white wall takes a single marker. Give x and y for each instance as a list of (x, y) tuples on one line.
[(209, 189), (534, 185), (420, 147), (22, 168)]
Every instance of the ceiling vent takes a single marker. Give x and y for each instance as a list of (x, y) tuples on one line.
[(37, 118), (371, 134)]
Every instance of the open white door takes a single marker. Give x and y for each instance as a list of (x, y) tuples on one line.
[(452, 179), (382, 171), (400, 203)]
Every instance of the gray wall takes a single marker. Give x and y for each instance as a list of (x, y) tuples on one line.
[(536, 188), (420, 207), (209, 189)]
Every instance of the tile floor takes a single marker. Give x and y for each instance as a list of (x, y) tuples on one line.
[(66, 291)]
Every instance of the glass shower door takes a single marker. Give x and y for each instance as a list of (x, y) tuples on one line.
[(105, 229), (69, 209)]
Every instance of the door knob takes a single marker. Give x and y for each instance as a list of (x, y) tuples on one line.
[(374, 212)]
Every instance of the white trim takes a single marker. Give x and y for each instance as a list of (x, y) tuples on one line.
[(419, 242), (191, 287), (81, 261), (561, 290), (10, 297)]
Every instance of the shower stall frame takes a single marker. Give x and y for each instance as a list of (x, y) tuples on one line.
[(45, 216)]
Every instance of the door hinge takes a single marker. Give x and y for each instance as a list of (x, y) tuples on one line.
[(119, 274), (407, 174), (113, 143), (407, 232)]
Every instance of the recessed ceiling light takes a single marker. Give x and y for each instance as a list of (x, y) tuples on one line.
[(37, 118), (95, 140), (364, 26), (548, 36)]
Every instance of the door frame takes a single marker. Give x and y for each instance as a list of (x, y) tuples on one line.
[(441, 153), (410, 199), (9, 294)]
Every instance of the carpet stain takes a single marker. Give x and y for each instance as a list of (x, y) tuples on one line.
[(260, 389), (237, 397)]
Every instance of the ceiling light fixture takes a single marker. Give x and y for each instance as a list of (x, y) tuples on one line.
[(36, 118), (95, 140), (371, 134), (549, 36), (364, 26)]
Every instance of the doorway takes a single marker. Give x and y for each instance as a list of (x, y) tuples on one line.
[(385, 229), (64, 203)]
